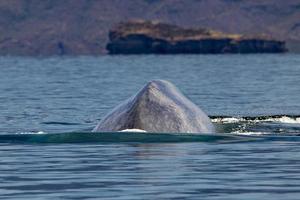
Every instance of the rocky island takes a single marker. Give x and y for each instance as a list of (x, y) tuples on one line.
[(148, 37)]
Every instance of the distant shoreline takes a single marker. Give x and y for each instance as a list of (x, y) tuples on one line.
[(47, 28)]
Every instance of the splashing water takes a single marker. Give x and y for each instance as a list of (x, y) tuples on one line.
[(229, 129), (260, 125)]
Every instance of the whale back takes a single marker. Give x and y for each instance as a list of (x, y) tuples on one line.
[(158, 107)]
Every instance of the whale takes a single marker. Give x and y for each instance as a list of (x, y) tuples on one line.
[(158, 107)]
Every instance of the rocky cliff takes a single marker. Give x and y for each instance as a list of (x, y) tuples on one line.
[(146, 37), (78, 27)]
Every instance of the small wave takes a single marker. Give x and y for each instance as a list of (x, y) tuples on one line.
[(283, 119), (31, 133), (239, 132), (229, 129), (60, 123), (288, 120), (118, 137), (228, 119), (259, 125)]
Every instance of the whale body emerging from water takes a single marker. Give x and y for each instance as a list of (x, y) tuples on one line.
[(158, 107)]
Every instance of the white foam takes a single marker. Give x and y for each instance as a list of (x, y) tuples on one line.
[(228, 120), (250, 133), (133, 130), (288, 120), (282, 119), (28, 133)]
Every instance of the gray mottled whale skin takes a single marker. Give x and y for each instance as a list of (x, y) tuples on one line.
[(158, 107)]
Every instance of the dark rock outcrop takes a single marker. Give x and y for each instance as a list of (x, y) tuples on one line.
[(38, 27), (146, 37)]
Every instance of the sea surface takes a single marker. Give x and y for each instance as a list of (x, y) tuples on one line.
[(48, 107)]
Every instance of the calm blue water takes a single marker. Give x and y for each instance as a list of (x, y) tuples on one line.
[(49, 105)]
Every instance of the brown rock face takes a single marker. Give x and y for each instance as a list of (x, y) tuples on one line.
[(80, 27), (146, 37)]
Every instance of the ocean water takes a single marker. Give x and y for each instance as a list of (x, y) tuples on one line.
[(48, 106)]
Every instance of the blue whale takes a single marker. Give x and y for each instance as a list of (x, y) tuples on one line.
[(158, 107)]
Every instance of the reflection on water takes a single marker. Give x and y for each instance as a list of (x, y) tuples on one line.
[(124, 171)]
